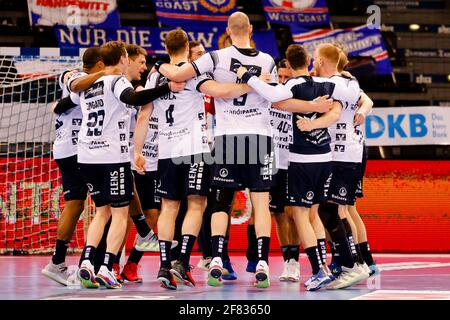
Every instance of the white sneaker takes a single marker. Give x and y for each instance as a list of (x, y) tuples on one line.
[(262, 275), (363, 274), (204, 263), (286, 272), (293, 271), (56, 272), (150, 243), (107, 278), (366, 268), (347, 278), (215, 272), (86, 274)]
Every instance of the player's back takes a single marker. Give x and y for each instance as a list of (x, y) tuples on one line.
[(181, 118), (105, 129), (249, 113)]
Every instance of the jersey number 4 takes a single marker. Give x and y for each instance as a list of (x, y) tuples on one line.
[(95, 123), (169, 115)]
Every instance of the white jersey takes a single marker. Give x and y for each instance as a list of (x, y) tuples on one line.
[(67, 125), (281, 122), (105, 129), (346, 142), (181, 119), (248, 114)]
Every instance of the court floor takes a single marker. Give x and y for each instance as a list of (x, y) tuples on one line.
[(402, 277)]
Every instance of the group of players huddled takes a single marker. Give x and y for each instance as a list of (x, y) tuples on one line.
[(292, 139)]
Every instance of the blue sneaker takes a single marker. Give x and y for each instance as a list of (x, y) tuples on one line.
[(319, 280), (251, 266), (374, 269), (335, 269), (231, 274)]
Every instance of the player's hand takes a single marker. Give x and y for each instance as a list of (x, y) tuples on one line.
[(240, 72), (305, 125), (176, 86), (53, 106), (112, 71), (266, 77), (359, 119), (139, 162), (68, 75), (322, 104), (347, 74)]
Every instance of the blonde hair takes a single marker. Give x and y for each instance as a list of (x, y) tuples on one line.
[(329, 52)]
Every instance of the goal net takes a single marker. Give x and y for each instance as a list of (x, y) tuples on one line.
[(31, 197)]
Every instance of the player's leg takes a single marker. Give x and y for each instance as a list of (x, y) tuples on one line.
[(204, 236), (228, 271), (283, 229), (75, 192), (294, 248), (319, 231), (252, 244)]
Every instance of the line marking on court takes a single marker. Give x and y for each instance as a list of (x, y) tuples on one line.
[(405, 295), (410, 265)]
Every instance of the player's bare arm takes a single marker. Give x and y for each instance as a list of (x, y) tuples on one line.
[(224, 90), (175, 73), (84, 82), (365, 105), (140, 133), (324, 121)]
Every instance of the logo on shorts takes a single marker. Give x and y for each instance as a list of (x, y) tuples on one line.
[(90, 187), (223, 173), (342, 192), (309, 195)]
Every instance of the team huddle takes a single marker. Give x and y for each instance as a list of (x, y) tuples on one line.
[(145, 156)]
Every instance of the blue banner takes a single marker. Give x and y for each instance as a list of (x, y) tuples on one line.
[(152, 39), (201, 12), (74, 13), (303, 13), (359, 41)]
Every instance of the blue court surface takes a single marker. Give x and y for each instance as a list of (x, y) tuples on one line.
[(402, 277)]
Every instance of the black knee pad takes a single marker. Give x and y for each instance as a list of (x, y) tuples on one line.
[(222, 200), (328, 213)]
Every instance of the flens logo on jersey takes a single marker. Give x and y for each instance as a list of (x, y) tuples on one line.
[(293, 4), (309, 195), (342, 192), (215, 6), (223, 173)]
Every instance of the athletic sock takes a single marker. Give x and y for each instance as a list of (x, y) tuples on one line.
[(217, 246), (117, 257), (263, 248), (109, 260), (252, 244), (225, 255), (141, 224), (341, 246), (348, 230), (322, 247), (314, 259), (294, 252), (59, 256), (164, 254), (366, 253), (135, 256), (334, 254), (286, 251), (87, 254), (188, 242)]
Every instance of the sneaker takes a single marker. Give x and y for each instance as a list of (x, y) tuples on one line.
[(262, 275), (215, 273), (204, 263), (116, 269), (362, 272), (319, 280), (130, 273), (230, 274), (335, 269), (166, 279), (293, 270), (86, 274), (286, 271), (182, 274), (56, 272), (251, 266), (374, 269), (366, 268), (347, 278), (150, 242), (107, 278)]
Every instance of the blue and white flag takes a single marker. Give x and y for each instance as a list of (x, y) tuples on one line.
[(201, 12), (303, 13), (153, 39), (74, 13), (359, 41)]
